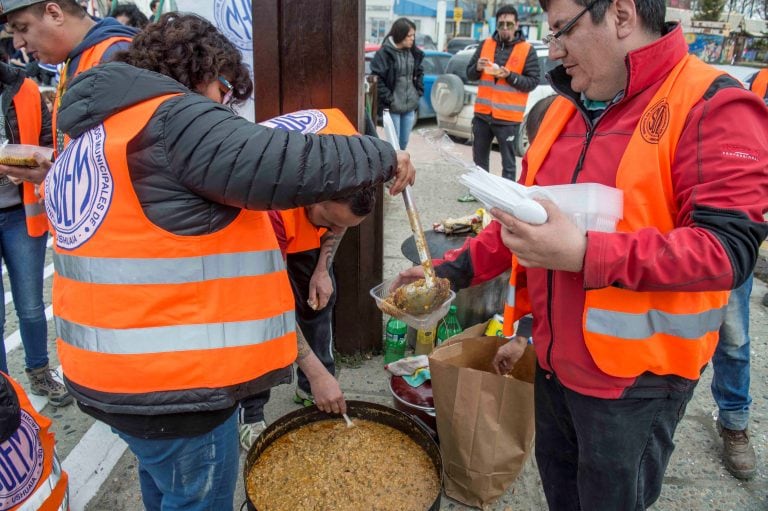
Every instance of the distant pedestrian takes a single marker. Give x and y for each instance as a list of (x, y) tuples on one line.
[(398, 64), (130, 15), (508, 69)]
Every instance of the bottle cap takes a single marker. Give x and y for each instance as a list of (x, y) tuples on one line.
[(452, 309)]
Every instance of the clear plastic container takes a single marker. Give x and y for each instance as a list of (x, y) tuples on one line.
[(21, 155), (591, 206), (425, 321)]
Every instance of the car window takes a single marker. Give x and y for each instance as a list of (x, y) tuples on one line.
[(545, 66), (458, 66), (435, 64)]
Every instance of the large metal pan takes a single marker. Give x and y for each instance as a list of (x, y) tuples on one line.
[(355, 409)]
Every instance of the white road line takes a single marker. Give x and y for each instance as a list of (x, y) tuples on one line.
[(90, 463)]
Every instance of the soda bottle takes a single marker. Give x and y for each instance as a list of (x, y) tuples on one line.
[(394, 347), (449, 326), (425, 341)]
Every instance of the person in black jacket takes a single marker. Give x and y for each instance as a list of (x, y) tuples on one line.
[(22, 251), (499, 106), (398, 65), (194, 167)]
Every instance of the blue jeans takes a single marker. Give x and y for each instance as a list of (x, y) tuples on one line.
[(24, 256), (191, 474), (730, 381), (403, 125)]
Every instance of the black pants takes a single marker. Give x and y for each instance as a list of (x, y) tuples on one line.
[(317, 327), (483, 134), (603, 454)]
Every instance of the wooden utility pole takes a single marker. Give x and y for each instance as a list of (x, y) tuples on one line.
[(309, 54)]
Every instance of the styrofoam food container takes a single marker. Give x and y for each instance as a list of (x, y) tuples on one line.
[(380, 292)]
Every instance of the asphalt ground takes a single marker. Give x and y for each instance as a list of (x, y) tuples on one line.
[(103, 473)]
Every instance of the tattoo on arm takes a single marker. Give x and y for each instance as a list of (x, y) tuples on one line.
[(329, 243), (303, 345)]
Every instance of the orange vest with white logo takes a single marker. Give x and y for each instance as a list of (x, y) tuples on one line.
[(29, 113), (498, 98), (88, 59), (30, 473), (168, 321), (760, 84), (630, 332), (301, 234)]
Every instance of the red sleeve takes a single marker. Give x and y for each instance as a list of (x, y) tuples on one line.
[(279, 227), (480, 259), (720, 185)]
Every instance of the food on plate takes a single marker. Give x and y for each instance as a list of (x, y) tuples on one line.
[(18, 161), (417, 298), (326, 465)]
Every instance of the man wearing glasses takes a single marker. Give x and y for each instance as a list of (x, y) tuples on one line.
[(508, 70), (626, 321)]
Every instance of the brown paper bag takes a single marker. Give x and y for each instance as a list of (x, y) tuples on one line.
[(484, 420)]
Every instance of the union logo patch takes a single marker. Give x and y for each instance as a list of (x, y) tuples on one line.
[(304, 121), (233, 17), (21, 463), (78, 190), (655, 122)]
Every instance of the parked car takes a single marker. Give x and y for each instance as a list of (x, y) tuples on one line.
[(453, 96), (741, 73), (434, 64), (457, 44), (425, 42)]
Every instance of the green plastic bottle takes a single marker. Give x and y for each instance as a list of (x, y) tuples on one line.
[(394, 345), (449, 326)]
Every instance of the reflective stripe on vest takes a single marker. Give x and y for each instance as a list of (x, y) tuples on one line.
[(760, 84), (496, 97), (189, 315), (88, 58), (629, 332), (30, 472), (29, 113)]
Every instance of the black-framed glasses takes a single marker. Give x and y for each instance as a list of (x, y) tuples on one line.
[(506, 24), (553, 40), (228, 91)]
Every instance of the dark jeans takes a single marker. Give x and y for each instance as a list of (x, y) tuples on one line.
[(317, 327), (603, 454), (483, 134)]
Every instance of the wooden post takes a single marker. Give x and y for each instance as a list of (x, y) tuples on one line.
[(309, 54)]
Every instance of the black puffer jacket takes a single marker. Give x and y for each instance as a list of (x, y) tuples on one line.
[(196, 164), (10, 410), (384, 66)]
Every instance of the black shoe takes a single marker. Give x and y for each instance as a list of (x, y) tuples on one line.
[(738, 454)]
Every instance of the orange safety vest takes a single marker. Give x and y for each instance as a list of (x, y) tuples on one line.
[(300, 234), (760, 84), (629, 332), (30, 473), (29, 112), (162, 319), (88, 59), (497, 97)]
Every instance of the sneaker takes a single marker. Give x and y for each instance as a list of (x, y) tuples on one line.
[(467, 198), (248, 434), (43, 382), (303, 398), (738, 454)]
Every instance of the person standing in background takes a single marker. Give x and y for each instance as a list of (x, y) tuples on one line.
[(130, 15), (508, 70), (24, 233), (398, 65)]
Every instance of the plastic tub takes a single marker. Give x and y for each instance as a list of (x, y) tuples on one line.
[(22, 154), (380, 292), (591, 206)]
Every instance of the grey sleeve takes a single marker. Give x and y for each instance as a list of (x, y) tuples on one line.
[(232, 161), (529, 79)]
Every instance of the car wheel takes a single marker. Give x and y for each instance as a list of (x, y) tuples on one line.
[(447, 95), (521, 143)]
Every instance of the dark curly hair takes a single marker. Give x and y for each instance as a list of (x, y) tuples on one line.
[(190, 50)]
